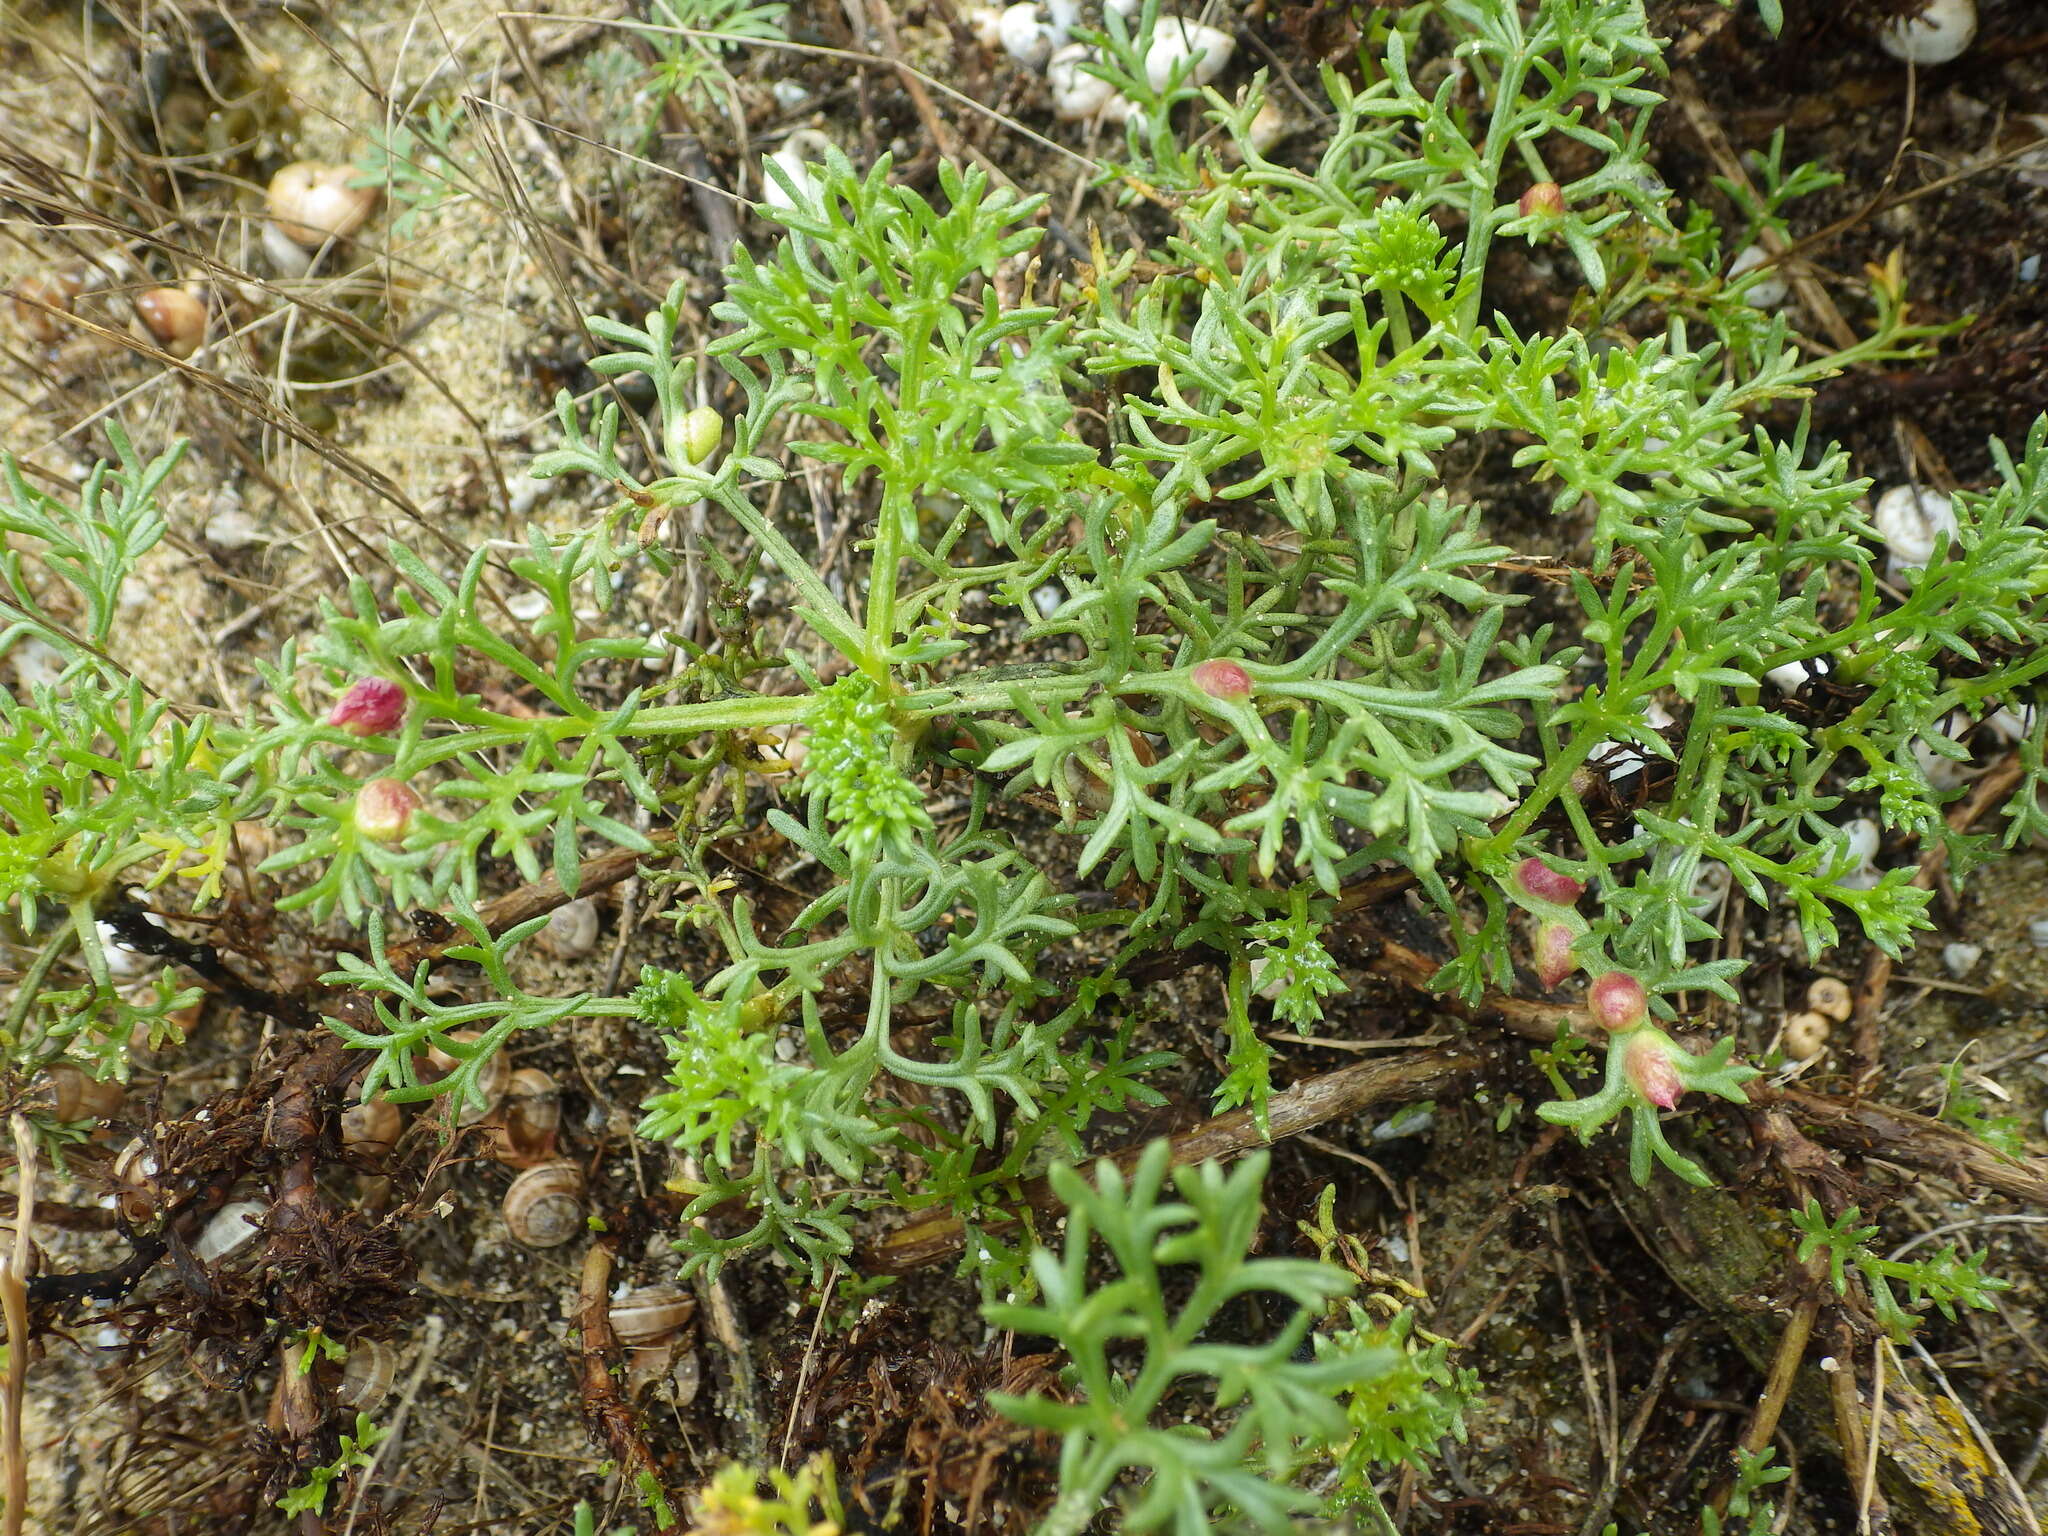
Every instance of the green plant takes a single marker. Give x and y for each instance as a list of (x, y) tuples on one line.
[(1254, 653), (1962, 1105), (1946, 1280), (419, 169), (1119, 1418), (310, 1497), (801, 1503), (691, 40)]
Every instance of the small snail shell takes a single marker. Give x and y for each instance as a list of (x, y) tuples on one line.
[(1915, 523), (530, 1118), (1077, 95), (648, 1322), (1830, 999), (491, 1082), (572, 929), (1175, 40), (544, 1207), (234, 1227), (798, 153), (312, 203), (35, 1254), (135, 1173), (174, 318), (367, 1374), (1806, 1036), (65, 1093), (651, 1314), (217, 1364), (1268, 128), (370, 1129), (1937, 33), (55, 292)]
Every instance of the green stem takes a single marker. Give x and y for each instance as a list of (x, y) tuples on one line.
[(1479, 205), (30, 987)]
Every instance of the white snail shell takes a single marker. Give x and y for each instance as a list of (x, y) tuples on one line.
[(1175, 40), (234, 1227), (799, 151), (311, 203), (1942, 30), (544, 1208), (1026, 35), (1914, 522), (1768, 291), (1078, 95)]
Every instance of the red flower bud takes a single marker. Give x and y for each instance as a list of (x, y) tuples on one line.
[(1224, 680), (1618, 1001), (1539, 882), (384, 809), (1554, 959), (1546, 197), (1651, 1071), (370, 707)]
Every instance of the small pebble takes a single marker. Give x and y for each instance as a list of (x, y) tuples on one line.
[(1409, 1122), (1961, 959), (2037, 932)]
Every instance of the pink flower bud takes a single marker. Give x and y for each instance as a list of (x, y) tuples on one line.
[(1546, 197), (1539, 882), (1618, 1001), (1554, 959), (384, 809), (370, 707), (1224, 680), (1651, 1071)]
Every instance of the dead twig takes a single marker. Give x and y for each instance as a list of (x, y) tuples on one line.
[(605, 1409), (1404, 1079), (14, 1302)]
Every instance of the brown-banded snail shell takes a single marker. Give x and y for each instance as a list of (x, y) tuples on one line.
[(370, 1129), (651, 1314), (35, 1254), (35, 298), (571, 931), (311, 203), (175, 319), (529, 1122), (367, 1374), (65, 1093), (649, 1322), (491, 1081), (544, 1208), (135, 1186)]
